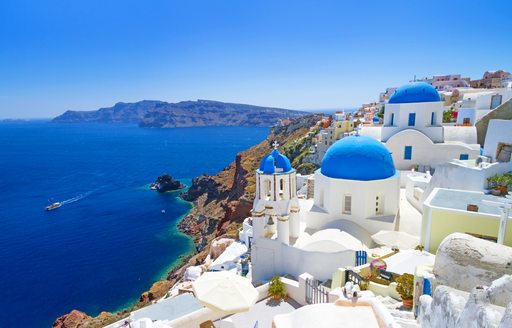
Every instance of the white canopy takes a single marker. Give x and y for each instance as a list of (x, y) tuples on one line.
[(406, 261), (224, 291), (398, 239)]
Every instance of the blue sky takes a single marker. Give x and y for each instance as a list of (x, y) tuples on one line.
[(59, 55)]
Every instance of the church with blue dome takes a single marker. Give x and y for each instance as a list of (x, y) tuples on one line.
[(414, 133), (355, 194), (358, 158), (357, 182)]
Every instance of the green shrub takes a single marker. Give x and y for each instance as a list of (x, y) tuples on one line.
[(405, 286), (276, 287)]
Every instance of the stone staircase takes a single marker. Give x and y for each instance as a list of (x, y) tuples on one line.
[(403, 318)]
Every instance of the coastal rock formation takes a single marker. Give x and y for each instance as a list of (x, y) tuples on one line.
[(222, 202), (73, 319), (464, 261), (157, 291), (166, 183), (160, 114)]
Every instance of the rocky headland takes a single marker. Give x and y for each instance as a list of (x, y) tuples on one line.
[(221, 203), (165, 183), (161, 114)]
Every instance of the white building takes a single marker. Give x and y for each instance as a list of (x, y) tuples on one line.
[(414, 133), (466, 174), (356, 195), (476, 103)]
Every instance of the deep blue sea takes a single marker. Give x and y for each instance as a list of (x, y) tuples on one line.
[(110, 241)]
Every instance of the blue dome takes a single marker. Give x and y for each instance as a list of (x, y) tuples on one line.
[(415, 92), (275, 162), (358, 158)]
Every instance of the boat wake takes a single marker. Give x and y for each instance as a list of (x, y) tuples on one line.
[(79, 197)]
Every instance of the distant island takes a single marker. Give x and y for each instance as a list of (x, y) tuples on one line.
[(161, 114)]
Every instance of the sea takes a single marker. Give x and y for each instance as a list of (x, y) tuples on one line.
[(111, 239)]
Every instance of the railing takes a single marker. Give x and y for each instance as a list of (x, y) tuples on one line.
[(353, 277), (315, 293)]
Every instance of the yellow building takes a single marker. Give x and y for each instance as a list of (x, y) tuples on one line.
[(446, 211), (342, 127)]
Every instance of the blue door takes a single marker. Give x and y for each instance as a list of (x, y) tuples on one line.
[(412, 119), (408, 152)]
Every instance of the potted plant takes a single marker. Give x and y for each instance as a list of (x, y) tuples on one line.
[(276, 288), (406, 289)]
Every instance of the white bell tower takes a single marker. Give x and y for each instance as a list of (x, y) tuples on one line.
[(276, 208)]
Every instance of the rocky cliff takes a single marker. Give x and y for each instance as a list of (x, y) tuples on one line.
[(119, 113), (159, 114), (224, 200), (221, 203)]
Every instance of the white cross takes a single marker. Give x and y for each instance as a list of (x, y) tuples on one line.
[(275, 144)]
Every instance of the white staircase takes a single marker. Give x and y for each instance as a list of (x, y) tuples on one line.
[(403, 318)]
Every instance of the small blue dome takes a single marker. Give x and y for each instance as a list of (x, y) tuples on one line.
[(415, 92), (275, 162), (358, 158)]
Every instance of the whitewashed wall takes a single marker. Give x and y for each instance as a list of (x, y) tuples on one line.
[(424, 151), (498, 131), (363, 195)]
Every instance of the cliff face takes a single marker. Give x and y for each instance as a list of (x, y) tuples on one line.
[(222, 202), (159, 114), (119, 113)]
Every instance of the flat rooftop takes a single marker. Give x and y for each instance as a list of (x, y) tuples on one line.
[(168, 309), (459, 200)]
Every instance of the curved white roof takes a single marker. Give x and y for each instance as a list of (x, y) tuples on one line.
[(329, 241)]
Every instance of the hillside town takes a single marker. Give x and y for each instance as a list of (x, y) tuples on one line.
[(405, 222)]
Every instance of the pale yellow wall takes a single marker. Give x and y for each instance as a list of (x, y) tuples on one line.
[(341, 127), (445, 222)]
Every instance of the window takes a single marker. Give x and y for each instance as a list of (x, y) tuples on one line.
[(433, 118), (495, 101), (347, 204), (466, 121), (392, 119), (267, 188), (281, 189), (321, 198), (464, 157), (408, 152), (412, 119)]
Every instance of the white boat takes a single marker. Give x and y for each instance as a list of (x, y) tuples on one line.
[(53, 206)]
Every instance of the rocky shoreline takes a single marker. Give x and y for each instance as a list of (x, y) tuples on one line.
[(221, 203)]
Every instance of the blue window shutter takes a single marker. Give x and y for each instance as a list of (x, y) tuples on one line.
[(408, 152), (412, 119), (392, 119), (433, 118), (464, 157)]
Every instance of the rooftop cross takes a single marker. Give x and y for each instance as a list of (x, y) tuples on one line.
[(275, 144)]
